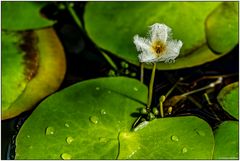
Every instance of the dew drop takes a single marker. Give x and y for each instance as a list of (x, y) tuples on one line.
[(28, 136), (66, 156), (50, 130), (174, 138), (200, 133), (103, 112), (135, 89), (97, 88), (69, 139), (94, 119), (103, 140), (184, 150), (66, 125), (109, 92)]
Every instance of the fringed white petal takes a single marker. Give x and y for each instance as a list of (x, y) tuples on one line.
[(141, 43), (172, 51), (147, 57), (159, 32)]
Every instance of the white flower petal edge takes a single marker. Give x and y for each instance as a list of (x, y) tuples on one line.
[(172, 51), (159, 32), (159, 47), (144, 46)]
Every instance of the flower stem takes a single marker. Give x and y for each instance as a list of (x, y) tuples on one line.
[(74, 15), (142, 72), (150, 89)]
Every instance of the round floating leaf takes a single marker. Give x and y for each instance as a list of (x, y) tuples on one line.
[(92, 120), (226, 141), (23, 16), (112, 25), (228, 98), (222, 24), (92, 113), (33, 64), (169, 138)]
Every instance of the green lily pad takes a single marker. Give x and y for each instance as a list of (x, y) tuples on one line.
[(185, 19), (92, 120), (23, 16), (226, 141), (228, 99), (169, 138), (33, 64), (221, 22)]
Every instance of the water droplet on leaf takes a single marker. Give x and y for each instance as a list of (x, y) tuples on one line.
[(103, 140), (184, 150), (50, 130), (66, 125), (94, 119), (69, 139), (109, 92), (28, 136), (66, 156), (97, 88), (103, 112), (135, 89), (174, 138)]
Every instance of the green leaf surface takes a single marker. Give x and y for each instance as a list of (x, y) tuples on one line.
[(222, 27), (169, 138), (14, 79), (229, 98), (92, 120), (23, 16), (112, 25), (95, 111), (226, 141)]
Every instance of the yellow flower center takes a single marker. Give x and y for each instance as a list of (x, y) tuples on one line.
[(158, 47)]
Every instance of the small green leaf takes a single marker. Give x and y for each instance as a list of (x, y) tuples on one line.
[(23, 16), (226, 141), (229, 98), (222, 22), (112, 25)]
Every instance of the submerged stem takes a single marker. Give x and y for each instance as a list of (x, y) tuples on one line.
[(150, 89)]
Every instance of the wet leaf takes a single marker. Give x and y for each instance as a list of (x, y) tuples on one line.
[(92, 120), (226, 141), (23, 16), (222, 27), (95, 112), (117, 36), (33, 64), (169, 138), (229, 98)]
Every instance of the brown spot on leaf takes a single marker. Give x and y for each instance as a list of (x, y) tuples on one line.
[(31, 53)]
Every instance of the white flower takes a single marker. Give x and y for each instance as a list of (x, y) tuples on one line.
[(159, 47)]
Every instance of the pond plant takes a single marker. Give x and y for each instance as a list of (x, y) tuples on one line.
[(78, 82)]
